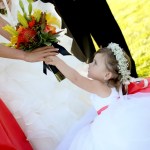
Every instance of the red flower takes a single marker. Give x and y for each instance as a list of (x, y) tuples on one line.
[(31, 23), (25, 36)]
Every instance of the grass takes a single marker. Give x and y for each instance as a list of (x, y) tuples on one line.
[(134, 20)]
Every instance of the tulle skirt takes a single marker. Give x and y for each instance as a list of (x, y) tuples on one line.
[(44, 107), (124, 125)]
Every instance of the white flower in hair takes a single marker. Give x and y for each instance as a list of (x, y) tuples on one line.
[(122, 62)]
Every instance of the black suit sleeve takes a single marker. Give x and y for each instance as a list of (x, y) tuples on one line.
[(94, 17)]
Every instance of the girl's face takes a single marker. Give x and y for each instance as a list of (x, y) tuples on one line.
[(97, 69)]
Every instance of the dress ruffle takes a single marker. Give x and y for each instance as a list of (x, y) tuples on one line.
[(44, 108), (124, 125), (40, 103)]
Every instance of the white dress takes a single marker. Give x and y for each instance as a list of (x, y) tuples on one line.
[(44, 107), (124, 125)]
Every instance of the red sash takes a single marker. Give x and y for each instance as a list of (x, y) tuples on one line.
[(102, 109), (142, 86)]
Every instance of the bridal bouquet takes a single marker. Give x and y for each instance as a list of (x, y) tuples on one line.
[(36, 29)]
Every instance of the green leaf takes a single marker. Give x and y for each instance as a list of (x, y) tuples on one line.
[(22, 8), (22, 20), (30, 1), (30, 8), (48, 43), (43, 21)]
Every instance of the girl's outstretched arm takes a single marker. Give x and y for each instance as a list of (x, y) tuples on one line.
[(92, 86)]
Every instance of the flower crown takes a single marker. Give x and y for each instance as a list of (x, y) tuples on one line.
[(122, 62)]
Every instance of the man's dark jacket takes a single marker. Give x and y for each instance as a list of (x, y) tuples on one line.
[(84, 18)]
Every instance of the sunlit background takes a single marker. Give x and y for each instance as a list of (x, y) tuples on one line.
[(133, 18)]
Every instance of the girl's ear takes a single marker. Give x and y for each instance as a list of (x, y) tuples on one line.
[(108, 76)]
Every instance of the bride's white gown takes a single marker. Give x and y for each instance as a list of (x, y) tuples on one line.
[(44, 107)]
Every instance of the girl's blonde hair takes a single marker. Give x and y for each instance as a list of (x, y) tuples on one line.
[(112, 66)]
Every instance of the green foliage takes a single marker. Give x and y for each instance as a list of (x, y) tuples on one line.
[(134, 20)]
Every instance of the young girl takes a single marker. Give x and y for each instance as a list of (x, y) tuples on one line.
[(124, 120)]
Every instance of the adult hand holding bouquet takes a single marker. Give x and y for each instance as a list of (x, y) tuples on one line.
[(35, 29)]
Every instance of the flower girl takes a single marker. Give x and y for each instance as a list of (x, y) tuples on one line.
[(124, 120)]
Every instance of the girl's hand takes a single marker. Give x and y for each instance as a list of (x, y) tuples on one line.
[(52, 60), (40, 54)]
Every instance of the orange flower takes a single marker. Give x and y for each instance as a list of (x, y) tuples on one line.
[(49, 28), (20, 28)]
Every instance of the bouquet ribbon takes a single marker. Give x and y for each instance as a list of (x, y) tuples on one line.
[(36, 28), (52, 68)]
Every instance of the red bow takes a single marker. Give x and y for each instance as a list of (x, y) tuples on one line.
[(142, 86)]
